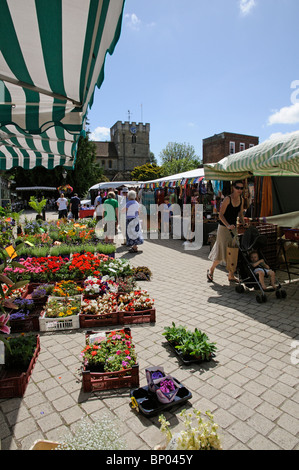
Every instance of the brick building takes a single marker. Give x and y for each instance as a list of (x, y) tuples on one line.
[(128, 147), (221, 145)]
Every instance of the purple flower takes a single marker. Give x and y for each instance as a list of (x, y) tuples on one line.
[(157, 375)]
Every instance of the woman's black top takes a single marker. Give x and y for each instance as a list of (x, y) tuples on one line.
[(231, 213)]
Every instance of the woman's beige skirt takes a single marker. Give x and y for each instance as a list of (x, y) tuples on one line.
[(223, 240)]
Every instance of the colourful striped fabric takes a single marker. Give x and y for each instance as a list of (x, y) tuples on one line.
[(278, 156), (52, 56)]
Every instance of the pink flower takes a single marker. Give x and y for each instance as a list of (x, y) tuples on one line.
[(118, 352), (3, 327)]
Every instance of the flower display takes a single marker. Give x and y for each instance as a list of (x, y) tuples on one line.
[(25, 307), (66, 289), (116, 268), (102, 305), (62, 308), (135, 301), (115, 353), (3, 324), (97, 286), (196, 436)]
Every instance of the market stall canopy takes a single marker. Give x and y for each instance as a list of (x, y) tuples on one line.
[(52, 58), (36, 188), (277, 156), (191, 176), (114, 185)]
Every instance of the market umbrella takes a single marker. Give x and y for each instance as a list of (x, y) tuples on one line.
[(52, 58), (277, 156)]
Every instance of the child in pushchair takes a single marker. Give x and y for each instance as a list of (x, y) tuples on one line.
[(252, 268)]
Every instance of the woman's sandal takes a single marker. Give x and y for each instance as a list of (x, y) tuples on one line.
[(131, 250), (210, 277)]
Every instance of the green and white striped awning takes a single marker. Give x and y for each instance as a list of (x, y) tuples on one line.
[(277, 156), (52, 56)]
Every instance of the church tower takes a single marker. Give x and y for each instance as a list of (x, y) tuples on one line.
[(132, 144)]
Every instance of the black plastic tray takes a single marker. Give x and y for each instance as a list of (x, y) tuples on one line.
[(187, 359), (149, 405)]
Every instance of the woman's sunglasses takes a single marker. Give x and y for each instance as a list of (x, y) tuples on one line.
[(238, 187)]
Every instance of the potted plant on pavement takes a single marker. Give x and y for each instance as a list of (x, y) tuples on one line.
[(38, 206)]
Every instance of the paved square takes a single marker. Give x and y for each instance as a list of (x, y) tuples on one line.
[(251, 386)]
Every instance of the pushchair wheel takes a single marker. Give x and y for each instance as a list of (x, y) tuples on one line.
[(283, 294), (240, 289), (261, 298), (278, 294)]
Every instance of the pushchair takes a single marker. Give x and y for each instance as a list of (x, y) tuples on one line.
[(248, 280)]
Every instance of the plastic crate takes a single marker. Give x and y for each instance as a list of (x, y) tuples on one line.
[(135, 317), (94, 321), (58, 324), (97, 381), (13, 384)]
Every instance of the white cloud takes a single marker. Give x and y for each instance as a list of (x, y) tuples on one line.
[(286, 115), (246, 6), (277, 135), (132, 21), (100, 134)]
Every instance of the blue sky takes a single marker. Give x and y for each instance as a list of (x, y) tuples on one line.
[(196, 68)]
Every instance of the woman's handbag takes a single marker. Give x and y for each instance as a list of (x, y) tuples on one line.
[(232, 254)]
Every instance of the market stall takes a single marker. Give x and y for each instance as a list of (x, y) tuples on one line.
[(273, 167)]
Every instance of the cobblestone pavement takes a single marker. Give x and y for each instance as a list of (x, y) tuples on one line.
[(251, 386)]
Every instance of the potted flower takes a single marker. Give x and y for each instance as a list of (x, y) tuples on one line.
[(136, 307), (38, 206), (103, 434), (62, 308), (60, 314), (94, 286), (136, 300), (65, 289), (202, 435), (126, 285), (110, 361), (101, 311), (190, 346), (142, 273)]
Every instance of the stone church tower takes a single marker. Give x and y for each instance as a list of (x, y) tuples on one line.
[(129, 147)]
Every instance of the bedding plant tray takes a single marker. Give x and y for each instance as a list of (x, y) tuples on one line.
[(190, 347), (16, 372), (101, 311), (109, 361), (136, 307), (147, 403)]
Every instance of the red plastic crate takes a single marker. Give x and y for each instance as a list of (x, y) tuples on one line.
[(135, 317), (13, 384), (97, 381)]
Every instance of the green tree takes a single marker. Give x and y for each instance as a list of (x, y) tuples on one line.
[(86, 171), (147, 172), (177, 158)]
